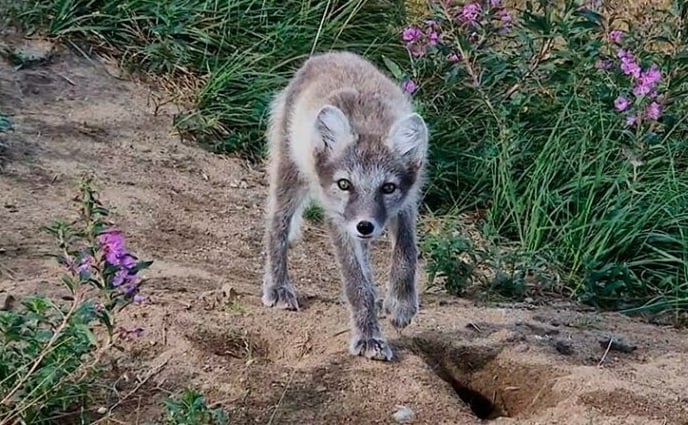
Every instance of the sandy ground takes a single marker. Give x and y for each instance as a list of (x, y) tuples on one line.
[(199, 217)]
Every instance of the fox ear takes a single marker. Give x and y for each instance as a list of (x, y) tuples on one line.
[(332, 127), (409, 137)]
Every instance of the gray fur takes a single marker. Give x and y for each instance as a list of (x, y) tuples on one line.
[(343, 133)]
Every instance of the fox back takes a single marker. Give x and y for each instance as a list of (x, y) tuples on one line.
[(353, 137)]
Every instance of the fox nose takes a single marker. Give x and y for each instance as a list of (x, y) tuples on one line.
[(365, 227)]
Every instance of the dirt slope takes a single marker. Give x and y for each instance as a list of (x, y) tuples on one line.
[(199, 215)]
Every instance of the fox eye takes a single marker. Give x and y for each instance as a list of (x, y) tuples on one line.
[(389, 188), (344, 184)]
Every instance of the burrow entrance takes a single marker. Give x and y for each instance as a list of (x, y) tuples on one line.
[(491, 386)]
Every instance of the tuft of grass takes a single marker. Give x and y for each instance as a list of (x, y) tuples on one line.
[(244, 50), (5, 123), (314, 213), (190, 408), (5, 126)]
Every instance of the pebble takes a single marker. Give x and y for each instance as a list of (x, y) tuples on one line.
[(403, 415)]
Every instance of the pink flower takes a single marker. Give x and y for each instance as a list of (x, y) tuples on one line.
[(471, 12), (653, 111), (496, 4), (85, 265), (112, 239), (621, 103), (630, 67), (651, 76), (453, 57), (409, 86), (112, 242), (641, 90), (616, 36), (631, 120), (506, 19), (124, 277), (433, 38), (130, 289), (411, 34), (417, 50), (647, 82)]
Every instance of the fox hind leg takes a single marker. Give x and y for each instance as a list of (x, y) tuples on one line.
[(296, 222)]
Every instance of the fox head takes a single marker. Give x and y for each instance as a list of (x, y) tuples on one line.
[(366, 178)]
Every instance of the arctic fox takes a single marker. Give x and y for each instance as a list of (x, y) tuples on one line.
[(343, 133)]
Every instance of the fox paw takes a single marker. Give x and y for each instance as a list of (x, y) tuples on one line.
[(401, 312), (282, 297), (371, 348)]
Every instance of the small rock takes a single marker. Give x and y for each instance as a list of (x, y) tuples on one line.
[(564, 347), (617, 344), (403, 415), (102, 410), (521, 348), (31, 52), (6, 302), (229, 292)]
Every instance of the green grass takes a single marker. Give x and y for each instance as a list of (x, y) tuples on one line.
[(5, 126), (560, 174), (246, 49), (619, 233)]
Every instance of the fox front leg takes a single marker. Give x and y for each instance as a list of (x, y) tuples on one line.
[(286, 196), (401, 302), (352, 256)]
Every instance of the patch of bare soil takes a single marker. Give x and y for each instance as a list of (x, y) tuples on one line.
[(199, 216)]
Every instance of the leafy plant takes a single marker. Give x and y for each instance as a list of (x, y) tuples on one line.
[(568, 125), (467, 268), (191, 409), (446, 259), (50, 350)]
